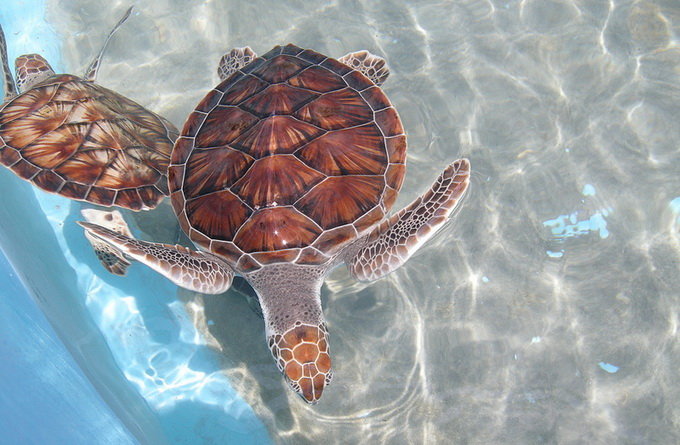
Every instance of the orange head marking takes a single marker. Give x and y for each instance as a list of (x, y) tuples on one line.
[(301, 353), (31, 69)]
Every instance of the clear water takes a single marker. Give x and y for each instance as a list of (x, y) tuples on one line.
[(546, 312)]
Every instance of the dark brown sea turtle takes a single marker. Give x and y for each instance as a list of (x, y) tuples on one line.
[(70, 136), (287, 168)]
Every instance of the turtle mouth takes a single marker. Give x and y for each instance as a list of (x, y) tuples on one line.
[(310, 393), (301, 354)]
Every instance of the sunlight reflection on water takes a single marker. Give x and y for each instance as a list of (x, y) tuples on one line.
[(569, 233)]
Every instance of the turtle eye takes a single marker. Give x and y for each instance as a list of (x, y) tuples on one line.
[(31, 69)]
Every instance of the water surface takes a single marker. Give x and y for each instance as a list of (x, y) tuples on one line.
[(546, 312)]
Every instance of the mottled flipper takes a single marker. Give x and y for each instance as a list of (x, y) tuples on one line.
[(10, 87), (370, 65), (197, 271), (234, 60), (111, 258), (396, 239), (91, 73)]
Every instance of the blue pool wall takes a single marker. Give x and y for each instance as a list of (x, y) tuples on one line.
[(63, 384)]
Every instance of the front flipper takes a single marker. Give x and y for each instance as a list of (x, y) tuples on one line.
[(394, 241), (111, 258), (234, 60), (91, 73), (197, 271), (370, 65), (10, 87)]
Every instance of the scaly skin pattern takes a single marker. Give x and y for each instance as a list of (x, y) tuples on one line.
[(302, 355), (197, 271), (10, 87), (397, 238), (295, 327), (371, 66), (234, 60), (111, 258), (31, 69)]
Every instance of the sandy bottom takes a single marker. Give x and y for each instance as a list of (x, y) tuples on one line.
[(546, 311)]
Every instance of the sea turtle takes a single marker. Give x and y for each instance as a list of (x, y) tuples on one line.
[(286, 169), (70, 136)]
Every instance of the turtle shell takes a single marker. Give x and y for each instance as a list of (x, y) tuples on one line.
[(83, 141), (287, 160)]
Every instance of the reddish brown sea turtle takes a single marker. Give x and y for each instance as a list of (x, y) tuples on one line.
[(70, 136), (287, 168)]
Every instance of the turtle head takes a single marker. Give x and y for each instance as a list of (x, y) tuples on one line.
[(296, 331), (31, 69), (301, 354)]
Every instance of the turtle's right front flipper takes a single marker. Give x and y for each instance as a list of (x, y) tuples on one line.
[(197, 271), (91, 73)]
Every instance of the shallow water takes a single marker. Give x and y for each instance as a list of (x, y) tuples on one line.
[(546, 311)]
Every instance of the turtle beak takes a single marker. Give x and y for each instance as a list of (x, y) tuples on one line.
[(301, 354)]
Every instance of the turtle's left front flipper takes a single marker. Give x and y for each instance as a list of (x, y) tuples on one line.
[(393, 242), (197, 271)]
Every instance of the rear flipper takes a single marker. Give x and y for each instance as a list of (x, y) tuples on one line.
[(111, 258), (393, 242), (372, 66), (193, 270), (234, 60)]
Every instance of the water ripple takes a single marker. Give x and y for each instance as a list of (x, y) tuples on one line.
[(503, 329)]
